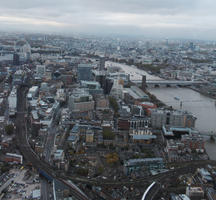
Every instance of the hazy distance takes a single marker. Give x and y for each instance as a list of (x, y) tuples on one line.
[(194, 19)]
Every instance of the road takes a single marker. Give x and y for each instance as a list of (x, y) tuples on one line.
[(46, 190), (27, 151), (50, 140), (49, 143), (30, 156)]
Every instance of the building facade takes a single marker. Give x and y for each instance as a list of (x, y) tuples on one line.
[(81, 101), (84, 72), (159, 118)]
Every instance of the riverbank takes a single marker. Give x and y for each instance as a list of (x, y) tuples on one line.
[(192, 101), (201, 92), (155, 100), (150, 68)]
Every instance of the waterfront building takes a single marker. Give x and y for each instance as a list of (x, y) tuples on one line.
[(134, 94), (123, 77), (147, 106), (176, 118), (171, 132)]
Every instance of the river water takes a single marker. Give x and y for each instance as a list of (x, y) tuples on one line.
[(202, 107), (135, 73)]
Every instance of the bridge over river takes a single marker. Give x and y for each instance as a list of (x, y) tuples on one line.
[(168, 83)]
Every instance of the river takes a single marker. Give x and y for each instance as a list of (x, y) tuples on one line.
[(133, 71), (202, 107)]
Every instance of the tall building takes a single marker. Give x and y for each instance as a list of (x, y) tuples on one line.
[(191, 46), (167, 42), (108, 84), (12, 101), (102, 63), (26, 51), (84, 72), (100, 76), (16, 59)]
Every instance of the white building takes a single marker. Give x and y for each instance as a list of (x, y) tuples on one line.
[(59, 155), (12, 101), (36, 194), (33, 91)]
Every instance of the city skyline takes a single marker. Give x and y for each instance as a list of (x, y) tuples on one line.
[(155, 19), (93, 117)]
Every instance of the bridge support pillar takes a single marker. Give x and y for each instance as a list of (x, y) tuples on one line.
[(144, 85)]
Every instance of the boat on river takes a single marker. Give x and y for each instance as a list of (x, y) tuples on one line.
[(176, 98)]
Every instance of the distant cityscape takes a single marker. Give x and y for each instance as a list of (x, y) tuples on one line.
[(89, 118)]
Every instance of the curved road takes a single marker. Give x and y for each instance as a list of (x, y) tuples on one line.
[(30, 156)]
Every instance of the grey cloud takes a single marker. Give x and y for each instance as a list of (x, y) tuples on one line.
[(131, 6), (154, 17)]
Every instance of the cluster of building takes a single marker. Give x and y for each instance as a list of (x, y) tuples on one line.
[(20, 184), (199, 186), (89, 119)]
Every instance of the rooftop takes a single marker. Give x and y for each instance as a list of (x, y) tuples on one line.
[(84, 65), (133, 162), (36, 194), (174, 112), (143, 137), (136, 93), (58, 152)]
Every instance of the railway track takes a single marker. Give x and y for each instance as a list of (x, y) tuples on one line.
[(30, 156), (27, 151)]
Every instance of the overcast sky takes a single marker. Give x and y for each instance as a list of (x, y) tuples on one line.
[(192, 19)]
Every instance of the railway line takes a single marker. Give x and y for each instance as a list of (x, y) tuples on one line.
[(31, 157), (27, 151), (151, 191)]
